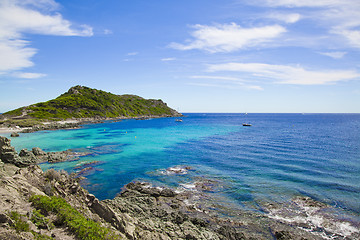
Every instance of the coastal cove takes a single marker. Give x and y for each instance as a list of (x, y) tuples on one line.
[(280, 158)]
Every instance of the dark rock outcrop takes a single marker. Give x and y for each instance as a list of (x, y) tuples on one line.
[(14, 134), (9, 155), (38, 152)]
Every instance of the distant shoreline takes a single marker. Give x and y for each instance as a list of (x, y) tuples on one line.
[(72, 123)]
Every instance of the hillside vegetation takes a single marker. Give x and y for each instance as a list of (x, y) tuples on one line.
[(83, 102)]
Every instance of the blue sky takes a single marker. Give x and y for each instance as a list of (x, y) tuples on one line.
[(196, 55)]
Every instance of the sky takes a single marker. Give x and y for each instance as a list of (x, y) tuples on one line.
[(271, 56)]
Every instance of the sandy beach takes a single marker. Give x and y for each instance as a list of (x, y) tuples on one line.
[(10, 130)]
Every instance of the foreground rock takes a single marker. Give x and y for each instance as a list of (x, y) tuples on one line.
[(145, 212)]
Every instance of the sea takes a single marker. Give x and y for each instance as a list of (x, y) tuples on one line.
[(275, 160)]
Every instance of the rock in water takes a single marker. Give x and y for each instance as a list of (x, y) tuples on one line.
[(7, 152), (38, 151), (14, 134), (9, 155)]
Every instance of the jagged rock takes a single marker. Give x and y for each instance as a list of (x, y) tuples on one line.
[(4, 218), (230, 233), (27, 153), (54, 157), (27, 157), (38, 152), (14, 134), (5, 142), (8, 153), (283, 235), (167, 192), (90, 197), (74, 188)]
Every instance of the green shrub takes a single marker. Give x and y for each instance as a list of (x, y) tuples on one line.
[(83, 228), (40, 221), (19, 224), (38, 236)]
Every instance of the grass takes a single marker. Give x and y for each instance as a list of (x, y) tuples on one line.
[(83, 228)]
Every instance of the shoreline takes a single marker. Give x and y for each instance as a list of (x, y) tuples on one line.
[(73, 123)]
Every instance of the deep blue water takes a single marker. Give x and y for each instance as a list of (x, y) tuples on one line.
[(280, 156)]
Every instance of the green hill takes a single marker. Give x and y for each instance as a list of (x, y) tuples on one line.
[(83, 102)]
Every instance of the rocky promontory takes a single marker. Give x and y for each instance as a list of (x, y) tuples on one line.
[(82, 104)]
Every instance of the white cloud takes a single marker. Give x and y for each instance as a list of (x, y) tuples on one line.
[(340, 17), (229, 37), (18, 17), (168, 59), (353, 36), (224, 82), (304, 3), (335, 55), (28, 75), (14, 55), (108, 32), (227, 86), (287, 74), (132, 54), (215, 77), (287, 18)]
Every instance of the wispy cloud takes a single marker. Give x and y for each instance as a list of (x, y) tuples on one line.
[(303, 3), (229, 37), (215, 77), (287, 18), (223, 82), (340, 17), (335, 55), (28, 75), (108, 32), (132, 53), (226, 86), (19, 17), (168, 59), (287, 74)]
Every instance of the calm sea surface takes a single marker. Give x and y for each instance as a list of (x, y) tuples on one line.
[(279, 157)]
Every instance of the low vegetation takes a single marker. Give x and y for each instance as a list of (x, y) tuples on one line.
[(84, 102), (18, 222), (83, 228)]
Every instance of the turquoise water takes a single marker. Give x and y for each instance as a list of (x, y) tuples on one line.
[(279, 157)]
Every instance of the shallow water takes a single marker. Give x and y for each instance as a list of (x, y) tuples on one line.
[(279, 157)]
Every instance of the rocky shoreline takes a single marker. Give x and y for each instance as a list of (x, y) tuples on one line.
[(14, 129), (140, 211)]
